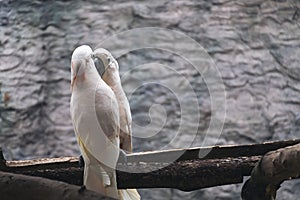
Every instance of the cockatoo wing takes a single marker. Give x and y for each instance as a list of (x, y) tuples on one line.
[(111, 76), (125, 123)]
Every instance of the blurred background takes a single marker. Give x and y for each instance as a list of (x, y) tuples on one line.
[(254, 44)]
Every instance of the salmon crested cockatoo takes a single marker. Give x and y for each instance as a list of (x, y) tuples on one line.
[(109, 72), (95, 117), (111, 77)]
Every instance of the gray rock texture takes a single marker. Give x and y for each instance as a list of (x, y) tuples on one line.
[(255, 45)]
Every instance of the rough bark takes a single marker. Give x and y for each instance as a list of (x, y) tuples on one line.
[(225, 165), (187, 175), (184, 175), (274, 168), (222, 165), (19, 187), (212, 152)]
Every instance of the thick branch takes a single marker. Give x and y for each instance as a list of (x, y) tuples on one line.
[(19, 187), (274, 168), (189, 173), (212, 152), (184, 175)]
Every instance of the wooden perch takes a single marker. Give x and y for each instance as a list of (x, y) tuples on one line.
[(19, 187), (187, 175), (184, 175), (226, 165), (274, 168), (212, 152)]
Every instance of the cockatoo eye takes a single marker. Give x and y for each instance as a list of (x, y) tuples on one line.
[(108, 59)]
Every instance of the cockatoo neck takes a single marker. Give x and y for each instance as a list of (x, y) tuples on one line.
[(112, 77)]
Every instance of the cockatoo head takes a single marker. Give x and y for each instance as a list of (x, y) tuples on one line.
[(104, 61), (79, 62)]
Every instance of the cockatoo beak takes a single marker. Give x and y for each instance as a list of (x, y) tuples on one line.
[(99, 65)]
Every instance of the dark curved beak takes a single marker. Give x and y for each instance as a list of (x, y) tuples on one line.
[(99, 66)]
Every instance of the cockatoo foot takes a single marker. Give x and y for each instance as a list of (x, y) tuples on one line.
[(81, 161), (122, 157), (81, 189)]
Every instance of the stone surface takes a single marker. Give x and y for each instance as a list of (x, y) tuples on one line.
[(254, 44)]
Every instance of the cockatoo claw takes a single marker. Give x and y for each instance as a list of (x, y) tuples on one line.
[(81, 189)]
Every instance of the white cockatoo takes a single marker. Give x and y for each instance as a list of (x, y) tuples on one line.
[(110, 75), (95, 117)]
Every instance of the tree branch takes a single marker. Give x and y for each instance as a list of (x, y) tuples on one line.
[(184, 175), (212, 152), (274, 168), (19, 187), (226, 165)]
